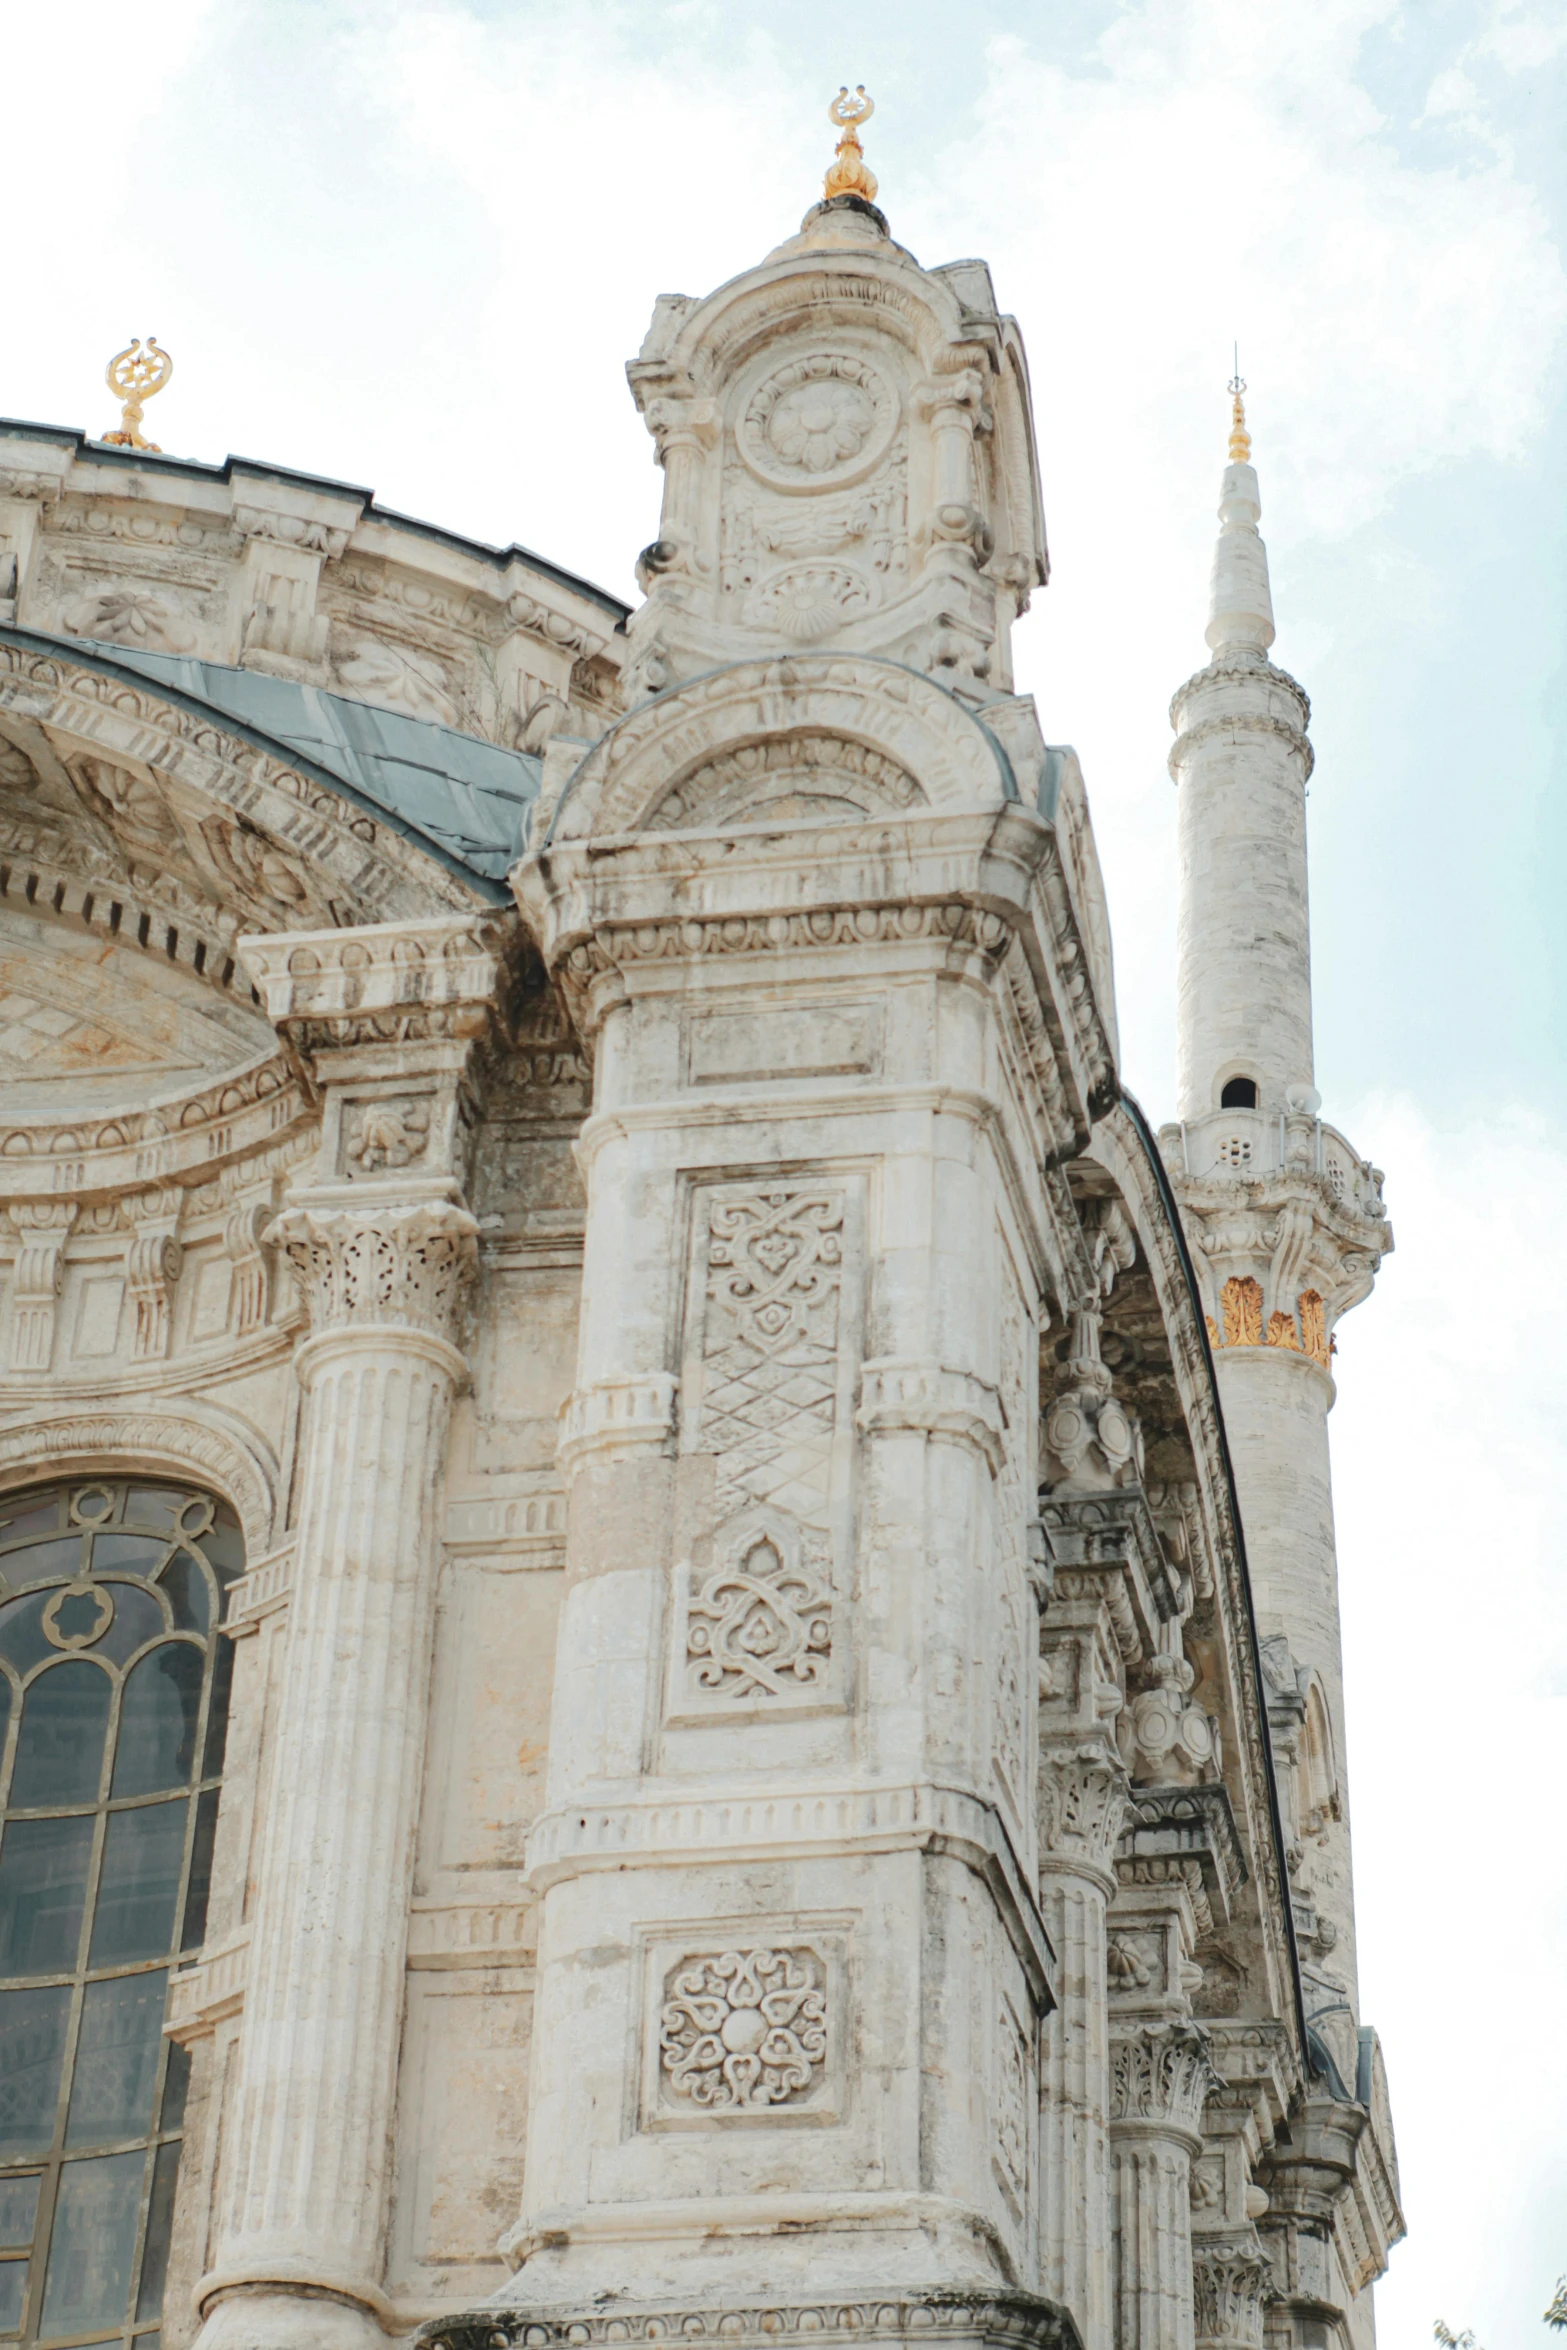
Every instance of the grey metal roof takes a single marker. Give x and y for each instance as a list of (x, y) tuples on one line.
[(470, 797)]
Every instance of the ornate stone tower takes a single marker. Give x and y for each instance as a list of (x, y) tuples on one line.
[(1288, 1228)]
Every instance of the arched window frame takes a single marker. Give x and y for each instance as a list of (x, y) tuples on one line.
[(125, 1569)]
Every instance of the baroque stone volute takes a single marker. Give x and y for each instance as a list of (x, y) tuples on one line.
[(1160, 2076)]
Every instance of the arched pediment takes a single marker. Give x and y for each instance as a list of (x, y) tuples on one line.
[(116, 782), (839, 737), (182, 1438)]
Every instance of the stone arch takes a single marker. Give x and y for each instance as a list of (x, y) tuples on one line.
[(892, 721), (188, 1440), (1318, 1765)]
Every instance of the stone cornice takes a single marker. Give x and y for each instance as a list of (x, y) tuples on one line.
[(1021, 2321), (179, 1138), (1188, 1823)]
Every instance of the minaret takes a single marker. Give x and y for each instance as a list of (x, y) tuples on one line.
[(1286, 1220)]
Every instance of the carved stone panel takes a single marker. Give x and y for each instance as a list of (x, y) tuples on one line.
[(772, 1348), (748, 2031)]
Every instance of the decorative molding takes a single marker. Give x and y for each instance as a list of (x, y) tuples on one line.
[(42, 1227), (925, 1397), (205, 1995), (617, 1419), (1083, 1793), (190, 1439), (261, 1591), (995, 2321), (445, 1937), (1232, 2280)]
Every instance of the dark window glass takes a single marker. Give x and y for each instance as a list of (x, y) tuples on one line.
[(158, 1716), (117, 2051), (43, 1887), (59, 1749), (18, 2203), (160, 2227), (110, 1594), (33, 2026), (184, 1581), (139, 1888), (13, 2295), (96, 2215)]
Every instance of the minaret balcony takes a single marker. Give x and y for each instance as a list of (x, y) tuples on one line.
[(1256, 1143)]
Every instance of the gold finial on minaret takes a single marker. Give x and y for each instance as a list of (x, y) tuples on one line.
[(1240, 438), (849, 174), (133, 375)]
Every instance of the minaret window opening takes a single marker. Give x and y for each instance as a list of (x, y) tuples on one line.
[(1240, 1093), (114, 1682)]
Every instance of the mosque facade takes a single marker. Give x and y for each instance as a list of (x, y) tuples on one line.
[(669, 1653)]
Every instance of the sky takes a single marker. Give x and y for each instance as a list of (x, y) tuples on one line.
[(412, 246)]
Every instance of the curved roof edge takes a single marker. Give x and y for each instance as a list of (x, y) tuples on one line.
[(90, 452), (460, 799)]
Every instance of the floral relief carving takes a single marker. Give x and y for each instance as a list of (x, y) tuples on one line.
[(1240, 1302), (1160, 2073), (760, 1625), (382, 1134), (1013, 2082), (744, 2030), (816, 417), (132, 616), (398, 1268)]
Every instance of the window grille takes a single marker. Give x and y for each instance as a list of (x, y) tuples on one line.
[(113, 1705)]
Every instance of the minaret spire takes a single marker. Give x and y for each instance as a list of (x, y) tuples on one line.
[(1287, 1227), (1241, 759)]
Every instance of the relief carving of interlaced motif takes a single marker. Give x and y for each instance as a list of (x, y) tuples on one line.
[(770, 1346), (1012, 2100), (744, 2030), (760, 1625)]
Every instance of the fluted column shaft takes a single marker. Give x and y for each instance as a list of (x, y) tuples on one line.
[(1075, 2105), (306, 2210), (1159, 2080)]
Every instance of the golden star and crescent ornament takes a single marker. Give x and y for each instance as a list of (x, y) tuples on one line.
[(134, 375), (849, 174)]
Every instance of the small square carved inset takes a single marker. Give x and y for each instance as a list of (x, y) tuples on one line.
[(381, 1135), (748, 2033)]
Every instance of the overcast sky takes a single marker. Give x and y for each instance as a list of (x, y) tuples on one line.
[(412, 246)]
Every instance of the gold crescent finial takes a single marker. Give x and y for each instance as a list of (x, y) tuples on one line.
[(849, 174), (1240, 438), (133, 375)]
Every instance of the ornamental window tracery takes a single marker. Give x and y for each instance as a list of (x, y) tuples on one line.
[(114, 1684)]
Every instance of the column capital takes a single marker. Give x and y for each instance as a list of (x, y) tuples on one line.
[(1083, 1790), (1232, 2277), (378, 1264), (1160, 2077)]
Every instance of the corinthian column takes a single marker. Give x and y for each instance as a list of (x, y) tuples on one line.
[(1159, 2080), (382, 1246)]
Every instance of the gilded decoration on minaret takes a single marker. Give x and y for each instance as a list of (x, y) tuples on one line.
[(849, 174), (1240, 438), (134, 375)]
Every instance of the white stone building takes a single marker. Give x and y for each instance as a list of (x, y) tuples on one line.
[(577, 1268)]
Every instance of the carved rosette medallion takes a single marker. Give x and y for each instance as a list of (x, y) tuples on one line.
[(817, 420), (743, 2031), (380, 1268)]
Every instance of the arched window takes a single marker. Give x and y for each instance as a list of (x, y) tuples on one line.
[(113, 1704), (1240, 1093)]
